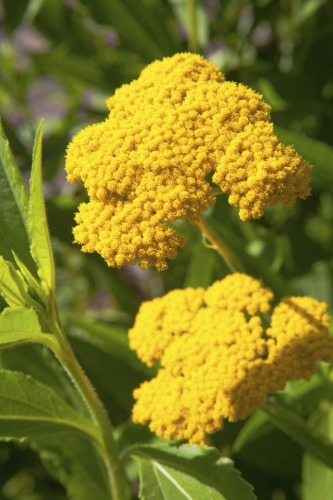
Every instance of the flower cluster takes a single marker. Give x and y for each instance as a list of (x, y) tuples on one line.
[(219, 359), (147, 164)]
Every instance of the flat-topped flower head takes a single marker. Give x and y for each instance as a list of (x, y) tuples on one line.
[(219, 359), (148, 164)]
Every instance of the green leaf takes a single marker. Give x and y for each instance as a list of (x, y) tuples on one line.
[(112, 339), (188, 472), (37, 296), (31, 411), (39, 362), (21, 325), (14, 233), (258, 425), (13, 287), (41, 249), (255, 267), (301, 432), (306, 10), (256, 440), (201, 266), (317, 477), (271, 96), (318, 153)]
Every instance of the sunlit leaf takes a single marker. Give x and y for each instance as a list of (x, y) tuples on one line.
[(14, 233), (41, 249), (18, 326), (13, 287), (34, 412), (188, 472)]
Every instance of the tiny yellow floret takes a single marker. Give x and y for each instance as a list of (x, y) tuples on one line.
[(222, 351), (148, 164)]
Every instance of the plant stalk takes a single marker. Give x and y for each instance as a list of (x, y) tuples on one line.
[(109, 446), (218, 245)]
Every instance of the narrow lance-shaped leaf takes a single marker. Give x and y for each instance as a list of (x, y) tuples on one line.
[(18, 286), (41, 249), (13, 287), (34, 286), (14, 233), (188, 472), (29, 410)]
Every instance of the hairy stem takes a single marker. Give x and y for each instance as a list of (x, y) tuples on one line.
[(109, 447), (218, 245)]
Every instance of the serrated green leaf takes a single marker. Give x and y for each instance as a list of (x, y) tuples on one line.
[(14, 232), (29, 408), (21, 325), (188, 472), (41, 249), (40, 363), (317, 477), (31, 411)]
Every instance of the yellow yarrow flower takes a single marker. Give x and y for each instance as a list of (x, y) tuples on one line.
[(147, 164), (219, 359)]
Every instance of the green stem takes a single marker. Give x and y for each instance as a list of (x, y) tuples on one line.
[(218, 245), (193, 42), (109, 445)]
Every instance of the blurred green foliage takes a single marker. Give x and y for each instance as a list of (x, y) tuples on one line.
[(60, 60)]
